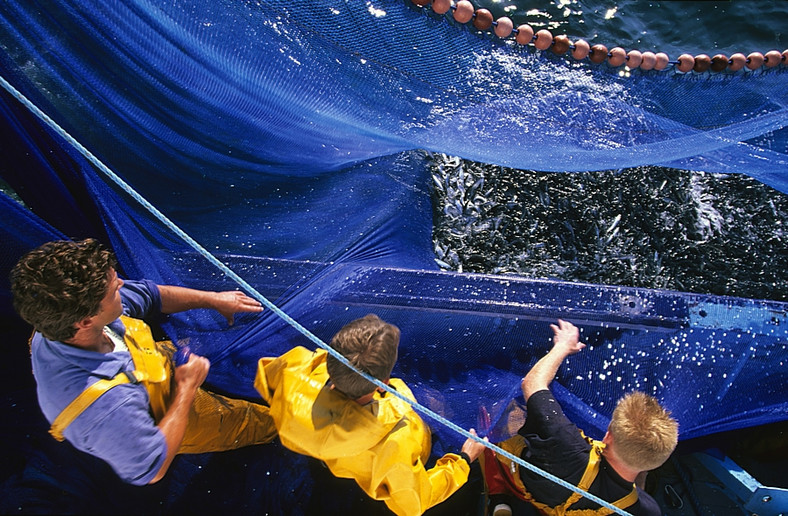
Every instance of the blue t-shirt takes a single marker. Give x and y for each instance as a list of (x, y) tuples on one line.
[(118, 426)]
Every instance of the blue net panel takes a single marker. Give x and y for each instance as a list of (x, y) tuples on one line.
[(287, 138)]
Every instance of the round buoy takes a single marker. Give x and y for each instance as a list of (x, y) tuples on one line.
[(616, 57), (581, 49), (524, 34), (685, 63), (719, 63), (441, 6), (598, 53), (772, 58), (737, 62), (662, 61), (755, 60), (561, 45), (648, 61), (503, 27), (483, 19), (463, 11), (702, 63), (544, 38), (634, 57)]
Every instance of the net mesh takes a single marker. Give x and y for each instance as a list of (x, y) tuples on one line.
[(288, 139)]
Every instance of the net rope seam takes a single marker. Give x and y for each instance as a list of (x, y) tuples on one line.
[(280, 313)]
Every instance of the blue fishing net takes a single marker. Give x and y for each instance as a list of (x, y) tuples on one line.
[(294, 142)]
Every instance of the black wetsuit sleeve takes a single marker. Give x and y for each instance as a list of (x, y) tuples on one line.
[(553, 444)]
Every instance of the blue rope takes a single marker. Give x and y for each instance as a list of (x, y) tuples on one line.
[(268, 304)]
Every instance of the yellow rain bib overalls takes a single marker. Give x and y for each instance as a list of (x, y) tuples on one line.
[(501, 472), (216, 423), (383, 446)]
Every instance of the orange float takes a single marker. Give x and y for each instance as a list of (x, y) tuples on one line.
[(685, 63), (755, 60), (524, 34), (441, 6), (702, 63), (662, 61), (581, 50), (463, 11), (648, 61), (503, 27), (617, 57), (719, 63), (772, 58), (483, 19), (561, 45), (737, 62), (634, 58), (544, 38), (598, 53)]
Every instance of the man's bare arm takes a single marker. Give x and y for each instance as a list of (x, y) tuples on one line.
[(188, 379), (228, 303), (565, 342)]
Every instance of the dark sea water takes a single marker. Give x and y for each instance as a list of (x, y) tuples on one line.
[(648, 227), (672, 26)]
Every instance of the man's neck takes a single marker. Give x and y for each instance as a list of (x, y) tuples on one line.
[(92, 339), (619, 467), (623, 470), (363, 400)]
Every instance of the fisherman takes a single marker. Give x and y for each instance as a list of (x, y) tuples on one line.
[(325, 410), (641, 436), (103, 382)]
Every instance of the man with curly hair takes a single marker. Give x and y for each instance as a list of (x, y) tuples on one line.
[(104, 383), (640, 437)]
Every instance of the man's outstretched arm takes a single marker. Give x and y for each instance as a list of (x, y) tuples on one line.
[(178, 299), (565, 342)]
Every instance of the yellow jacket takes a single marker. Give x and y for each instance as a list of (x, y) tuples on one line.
[(382, 446)]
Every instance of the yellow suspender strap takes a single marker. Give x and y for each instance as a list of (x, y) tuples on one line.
[(589, 475), (153, 358), (628, 500), (592, 469), (87, 397)]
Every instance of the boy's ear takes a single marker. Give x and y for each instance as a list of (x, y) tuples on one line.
[(386, 381), (84, 323)]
